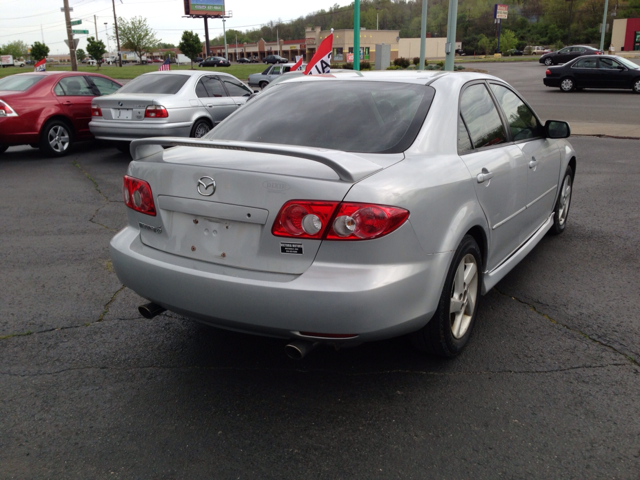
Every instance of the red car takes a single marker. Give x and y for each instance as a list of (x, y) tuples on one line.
[(50, 110)]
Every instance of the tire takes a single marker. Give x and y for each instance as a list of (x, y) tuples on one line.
[(548, 62), (561, 210), (56, 138), (448, 331), (567, 84), (200, 128), (263, 84), (3, 148), (636, 85)]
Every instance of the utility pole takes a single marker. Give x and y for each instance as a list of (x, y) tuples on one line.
[(450, 46), (72, 45), (356, 35), (224, 31), (604, 24), (95, 23), (206, 37), (569, 29), (115, 23), (423, 34)]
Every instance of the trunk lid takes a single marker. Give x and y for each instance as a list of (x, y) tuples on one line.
[(128, 106)]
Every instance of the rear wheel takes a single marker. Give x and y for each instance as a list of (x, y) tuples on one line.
[(56, 138), (200, 128), (561, 211), (636, 85), (263, 84), (450, 328), (548, 62), (567, 84)]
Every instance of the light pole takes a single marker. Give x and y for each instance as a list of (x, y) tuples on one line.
[(450, 46), (356, 35), (106, 32), (423, 34), (604, 24)]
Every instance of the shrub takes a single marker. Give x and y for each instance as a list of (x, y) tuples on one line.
[(365, 65), (394, 67), (401, 62)]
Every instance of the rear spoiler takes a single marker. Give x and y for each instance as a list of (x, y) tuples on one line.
[(349, 167)]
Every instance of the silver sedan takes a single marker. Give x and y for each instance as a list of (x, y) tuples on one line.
[(181, 103), (380, 204)]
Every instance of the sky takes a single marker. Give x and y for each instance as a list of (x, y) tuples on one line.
[(35, 20)]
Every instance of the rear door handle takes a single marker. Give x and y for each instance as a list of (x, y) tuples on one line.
[(533, 163), (484, 176)]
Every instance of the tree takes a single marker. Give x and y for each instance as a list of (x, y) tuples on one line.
[(96, 49), (190, 45), (39, 51), (484, 44), (136, 35), (80, 54), (17, 49), (508, 41), (164, 45)]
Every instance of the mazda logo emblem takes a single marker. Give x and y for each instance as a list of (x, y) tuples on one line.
[(206, 186)]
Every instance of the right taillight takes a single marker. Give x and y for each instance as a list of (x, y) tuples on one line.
[(6, 110), (156, 111), (137, 195)]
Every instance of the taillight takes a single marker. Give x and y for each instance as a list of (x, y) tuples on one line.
[(96, 111), (337, 221), (138, 196), (548, 72), (6, 110), (156, 111)]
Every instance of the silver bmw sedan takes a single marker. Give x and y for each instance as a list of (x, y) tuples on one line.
[(378, 204), (181, 103)]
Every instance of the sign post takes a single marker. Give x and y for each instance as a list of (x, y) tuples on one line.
[(500, 12)]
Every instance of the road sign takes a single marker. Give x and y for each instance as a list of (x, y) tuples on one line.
[(86, 32), (75, 42), (76, 22), (501, 11)]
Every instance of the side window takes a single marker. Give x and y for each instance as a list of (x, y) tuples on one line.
[(464, 142), (74, 86), (609, 64), (104, 85), (200, 90), (235, 88), (522, 122), (481, 117), (276, 70), (214, 87), (585, 63)]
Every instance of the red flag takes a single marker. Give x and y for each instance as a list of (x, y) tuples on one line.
[(40, 66), (297, 65), (321, 61)]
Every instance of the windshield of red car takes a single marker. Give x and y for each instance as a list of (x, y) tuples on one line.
[(160, 84), (352, 116), (19, 83)]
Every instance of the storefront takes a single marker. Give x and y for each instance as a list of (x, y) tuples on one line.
[(626, 34)]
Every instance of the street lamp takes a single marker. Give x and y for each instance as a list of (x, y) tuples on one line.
[(106, 32)]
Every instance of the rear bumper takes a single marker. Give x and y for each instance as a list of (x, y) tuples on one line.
[(551, 81), (371, 301), (121, 131)]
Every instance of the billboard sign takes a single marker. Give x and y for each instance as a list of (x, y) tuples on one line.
[(212, 8), (501, 11)]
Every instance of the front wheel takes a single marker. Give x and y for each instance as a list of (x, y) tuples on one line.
[(56, 138), (567, 84), (636, 85), (548, 62), (561, 211), (449, 330)]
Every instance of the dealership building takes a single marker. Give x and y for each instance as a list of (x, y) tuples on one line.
[(626, 34)]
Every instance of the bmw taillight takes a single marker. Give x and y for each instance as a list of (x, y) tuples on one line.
[(96, 111), (156, 111), (6, 110), (337, 221), (138, 196)]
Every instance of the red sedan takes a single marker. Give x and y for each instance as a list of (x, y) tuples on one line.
[(50, 110)]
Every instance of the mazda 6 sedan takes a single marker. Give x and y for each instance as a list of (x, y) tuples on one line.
[(184, 103), (381, 204)]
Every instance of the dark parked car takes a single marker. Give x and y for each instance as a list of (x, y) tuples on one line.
[(244, 60), (215, 62), (514, 52), (51, 110), (568, 53), (274, 59), (595, 71)]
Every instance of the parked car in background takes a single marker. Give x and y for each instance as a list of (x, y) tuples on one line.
[(514, 52), (274, 59), (215, 62), (319, 227), (244, 60), (595, 71), (269, 74), (49, 110), (568, 53), (179, 103), (538, 50)]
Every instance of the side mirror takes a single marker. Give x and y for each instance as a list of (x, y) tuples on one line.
[(557, 129), (256, 91)]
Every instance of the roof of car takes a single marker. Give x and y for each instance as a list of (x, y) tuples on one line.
[(191, 73), (419, 77)]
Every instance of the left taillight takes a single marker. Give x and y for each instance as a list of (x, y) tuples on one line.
[(6, 110), (137, 196), (96, 111), (156, 111)]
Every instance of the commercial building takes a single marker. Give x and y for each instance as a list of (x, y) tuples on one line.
[(626, 34)]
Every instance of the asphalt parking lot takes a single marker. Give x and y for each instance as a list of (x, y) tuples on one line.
[(548, 387)]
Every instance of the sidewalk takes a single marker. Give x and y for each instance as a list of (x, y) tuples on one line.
[(608, 129)]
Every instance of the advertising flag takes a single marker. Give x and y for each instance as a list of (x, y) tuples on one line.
[(298, 65), (40, 66), (321, 61), (165, 65)]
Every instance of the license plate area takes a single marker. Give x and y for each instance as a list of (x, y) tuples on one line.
[(121, 113)]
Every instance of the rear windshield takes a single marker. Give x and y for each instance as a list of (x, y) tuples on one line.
[(352, 116), (19, 83), (167, 84)]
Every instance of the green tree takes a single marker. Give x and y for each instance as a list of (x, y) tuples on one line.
[(190, 45), (165, 45), (484, 44), (80, 54), (96, 49), (39, 51), (508, 41), (18, 49), (136, 35)]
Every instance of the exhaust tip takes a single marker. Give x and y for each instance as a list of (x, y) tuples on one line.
[(299, 349), (150, 310)]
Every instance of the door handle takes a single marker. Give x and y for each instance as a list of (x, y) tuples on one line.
[(67, 102), (484, 176), (209, 105), (533, 163)]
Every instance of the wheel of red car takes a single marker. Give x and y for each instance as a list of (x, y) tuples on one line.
[(56, 138), (3, 148), (548, 62), (567, 84), (636, 85)]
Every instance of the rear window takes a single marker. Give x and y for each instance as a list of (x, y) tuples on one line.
[(167, 84), (352, 116), (19, 83)]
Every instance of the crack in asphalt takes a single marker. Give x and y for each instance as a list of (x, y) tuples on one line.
[(97, 188), (323, 370), (106, 306), (571, 329)]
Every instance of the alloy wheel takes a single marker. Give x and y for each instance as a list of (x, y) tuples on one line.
[(58, 138), (548, 62), (201, 130), (636, 86), (464, 294), (565, 200)]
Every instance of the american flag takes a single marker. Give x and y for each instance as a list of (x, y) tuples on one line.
[(165, 65)]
